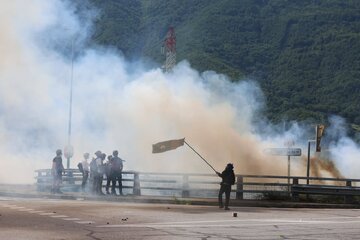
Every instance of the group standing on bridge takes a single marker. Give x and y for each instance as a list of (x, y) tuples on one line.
[(92, 172), (112, 169)]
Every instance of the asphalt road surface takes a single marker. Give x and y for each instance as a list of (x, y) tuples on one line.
[(69, 219)]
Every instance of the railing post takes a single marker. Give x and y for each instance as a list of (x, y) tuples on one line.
[(185, 186), (39, 181), (239, 188), (308, 165), (39, 175), (70, 177), (348, 199), (136, 188), (295, 195), (348, 183)]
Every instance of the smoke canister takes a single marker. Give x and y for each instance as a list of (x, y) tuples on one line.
[(234, 214)]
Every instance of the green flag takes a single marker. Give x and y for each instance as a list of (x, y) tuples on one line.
[(167, 145)]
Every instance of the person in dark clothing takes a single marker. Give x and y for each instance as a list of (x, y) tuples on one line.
[(228, 179), (116, 169), (56, 171), (109, 173)]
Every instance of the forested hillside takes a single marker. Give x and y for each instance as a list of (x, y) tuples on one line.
[(304, 53)]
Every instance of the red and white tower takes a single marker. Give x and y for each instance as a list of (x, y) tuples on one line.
[(169, 48)]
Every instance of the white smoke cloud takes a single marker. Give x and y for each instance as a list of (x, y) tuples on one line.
[(119, 106), (344, 151)]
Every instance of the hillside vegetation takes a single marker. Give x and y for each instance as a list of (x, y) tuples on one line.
[(304, 53)]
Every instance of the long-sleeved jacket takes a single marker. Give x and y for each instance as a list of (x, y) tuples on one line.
[(228, 177)]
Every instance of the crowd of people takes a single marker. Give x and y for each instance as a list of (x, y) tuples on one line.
[(93, 173)]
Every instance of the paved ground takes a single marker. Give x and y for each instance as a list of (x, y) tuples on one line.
[(31, 218)]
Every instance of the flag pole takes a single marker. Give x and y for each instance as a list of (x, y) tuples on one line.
[(200, 156)]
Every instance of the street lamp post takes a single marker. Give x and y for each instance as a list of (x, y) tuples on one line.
[(69, 149), (308, 162)]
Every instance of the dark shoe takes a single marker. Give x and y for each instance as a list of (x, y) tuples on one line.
[(221, 206), (226, 208), (107, 192)]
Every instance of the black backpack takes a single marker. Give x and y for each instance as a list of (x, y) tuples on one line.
[(80, 167)]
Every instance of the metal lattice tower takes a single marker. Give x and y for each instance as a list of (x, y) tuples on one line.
[(169, 48)]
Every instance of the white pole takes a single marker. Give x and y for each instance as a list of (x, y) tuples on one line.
[(70, 102)]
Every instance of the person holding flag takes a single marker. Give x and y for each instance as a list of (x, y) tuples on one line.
[(228, 179), (228, 176)]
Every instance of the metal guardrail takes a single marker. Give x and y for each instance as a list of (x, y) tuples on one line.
[(207, 185)]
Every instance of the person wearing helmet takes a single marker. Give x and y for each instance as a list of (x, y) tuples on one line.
[(86, 170), (116, 169), (228, 179), (56, 171)]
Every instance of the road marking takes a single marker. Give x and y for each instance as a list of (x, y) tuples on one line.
[(251, 220), (25, 210), (17, 207), (9, 206), (71, 219), (42, 213), (59, 216), (46, 214), (236, 223), (36, 211), (85, 222), (7, 199)]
